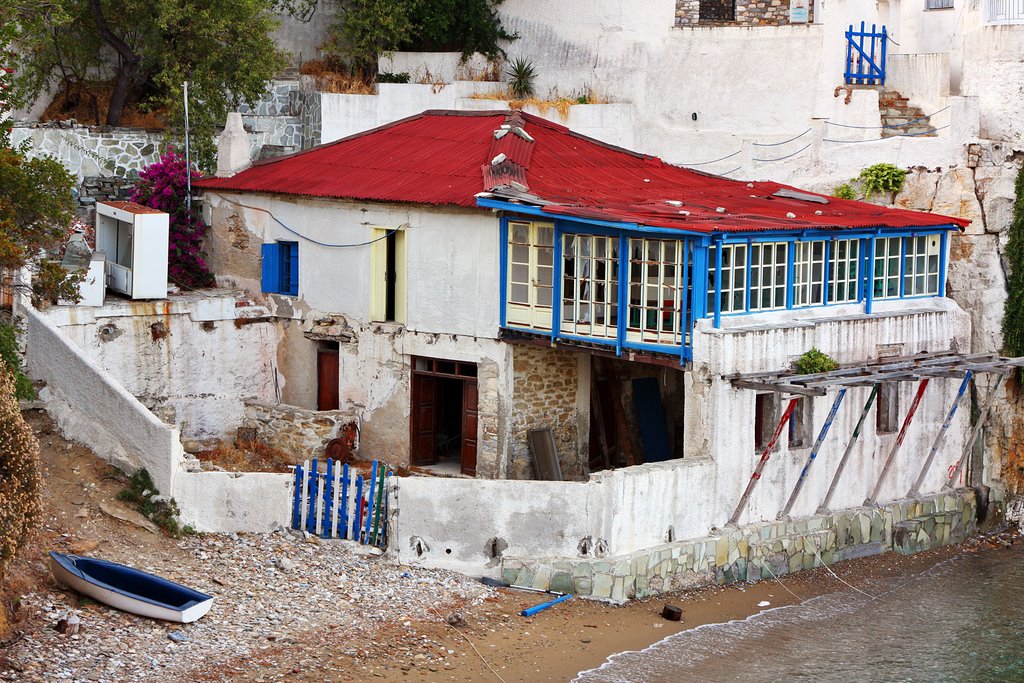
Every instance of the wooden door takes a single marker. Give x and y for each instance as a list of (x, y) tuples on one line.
[(327, 379), (469, 427), (423, 420)]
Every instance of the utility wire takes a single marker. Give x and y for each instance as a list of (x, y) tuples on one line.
[(705, 163), (310, 239), (788, 155), (889, 125), (776, 144), (898, 135)]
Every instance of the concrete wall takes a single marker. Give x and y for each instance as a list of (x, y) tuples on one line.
[(234, 501), (91, 407), (994, 72), (185, 358)]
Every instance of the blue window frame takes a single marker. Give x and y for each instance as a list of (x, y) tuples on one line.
[(280, 268)]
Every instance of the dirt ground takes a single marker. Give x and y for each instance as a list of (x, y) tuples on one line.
[(490, 641)]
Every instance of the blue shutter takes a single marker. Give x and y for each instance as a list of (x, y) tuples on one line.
[(271, 273), (293, 271)]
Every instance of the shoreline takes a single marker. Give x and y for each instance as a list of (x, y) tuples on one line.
[(580, 635)]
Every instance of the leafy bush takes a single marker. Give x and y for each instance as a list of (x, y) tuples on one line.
[(143, 496), (844, 191), (882, 178), (11, 359), (388, 77), (814, 361), (1013, 311), (20, 482), (521, 73), (164, 186)]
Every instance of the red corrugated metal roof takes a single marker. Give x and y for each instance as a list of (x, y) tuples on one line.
[(447, 157)]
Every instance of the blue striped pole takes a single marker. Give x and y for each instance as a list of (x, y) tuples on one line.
[(823, 508), (325, 529), (814, 453), (369, 503), (940, 436), (982, 417), (343, 503), (314, 475), (297, 501)]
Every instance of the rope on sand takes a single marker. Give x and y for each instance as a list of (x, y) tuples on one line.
[(816, 554), (764, 565), (445, 621)]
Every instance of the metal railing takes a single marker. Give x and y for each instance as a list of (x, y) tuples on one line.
[(1004, 12)]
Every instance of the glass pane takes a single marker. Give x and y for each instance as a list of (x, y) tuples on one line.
[(600, 247), (586, 246), (933, 284), (570, 244), (545, 256), (545, 236), (544, 296), (521, 254), (520, 294), (544, 275), (521, 233), (520, 273)]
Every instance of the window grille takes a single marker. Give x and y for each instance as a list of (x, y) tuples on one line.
[(717, 10)]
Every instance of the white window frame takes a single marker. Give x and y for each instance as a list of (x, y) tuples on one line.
[(887, 258), (660, 273), (585, 273), (808, 288), (537, 256), (768, 269), (844, 271), (921, 265), (734, 269)]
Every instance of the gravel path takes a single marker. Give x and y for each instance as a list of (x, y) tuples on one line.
[(275, 593)]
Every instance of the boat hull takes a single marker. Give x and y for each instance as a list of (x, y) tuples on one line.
[(64, 568)]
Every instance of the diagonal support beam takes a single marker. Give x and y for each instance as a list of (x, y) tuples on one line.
[(788, 413), (899, 442), (940, 436), (823, 508), (989, 402), (814, 453)]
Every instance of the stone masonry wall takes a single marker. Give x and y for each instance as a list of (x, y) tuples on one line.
[(298, 431), (748, 13), (544, 395), (761, 551)]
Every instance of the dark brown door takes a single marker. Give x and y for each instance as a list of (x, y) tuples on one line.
[(327, 379), (469, 424), (423, 420)]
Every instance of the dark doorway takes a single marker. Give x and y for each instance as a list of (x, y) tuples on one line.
[(443, 422), (327, 379)]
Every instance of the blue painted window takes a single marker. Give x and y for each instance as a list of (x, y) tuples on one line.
[(809, 274), (844, 271), (887, 267), (734, 278), (659, 291), (921, 266), (280, 268), (590, 285), (768, 275)]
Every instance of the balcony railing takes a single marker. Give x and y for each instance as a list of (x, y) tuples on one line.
[(1004, 12)]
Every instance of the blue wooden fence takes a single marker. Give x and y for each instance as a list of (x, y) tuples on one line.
[(865, 55), (338, 503)]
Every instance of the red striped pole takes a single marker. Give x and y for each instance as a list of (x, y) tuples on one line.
[(899, 442), (940, 436), (764, 459)]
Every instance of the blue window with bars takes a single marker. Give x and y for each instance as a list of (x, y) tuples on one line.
[(280, 270)]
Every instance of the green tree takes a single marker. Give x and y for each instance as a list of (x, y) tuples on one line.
[(1013, 313), (368, 28), (36, 208), (147, 50)]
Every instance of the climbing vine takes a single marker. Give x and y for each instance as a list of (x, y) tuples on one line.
[(1013, 313)]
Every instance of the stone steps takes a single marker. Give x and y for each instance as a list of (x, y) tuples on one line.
[(899, 117)]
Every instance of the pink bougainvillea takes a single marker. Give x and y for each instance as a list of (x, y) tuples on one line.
[(164, 186)]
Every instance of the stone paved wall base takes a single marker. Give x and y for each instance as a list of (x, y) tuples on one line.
[(758, 551)]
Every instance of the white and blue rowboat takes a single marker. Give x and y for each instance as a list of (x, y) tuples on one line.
[(130, 590)]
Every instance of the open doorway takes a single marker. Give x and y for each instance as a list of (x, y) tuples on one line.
[(443, 424)]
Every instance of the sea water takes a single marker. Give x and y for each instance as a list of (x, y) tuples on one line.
[(962, 621)]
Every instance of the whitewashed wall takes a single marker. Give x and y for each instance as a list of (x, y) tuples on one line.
[(198, 376)]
